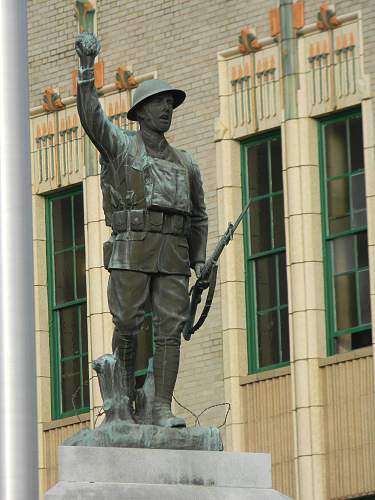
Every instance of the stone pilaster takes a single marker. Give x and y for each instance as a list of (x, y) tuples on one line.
[(305, 271)]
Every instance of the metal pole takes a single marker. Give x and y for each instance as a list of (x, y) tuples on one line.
[(18, 424)]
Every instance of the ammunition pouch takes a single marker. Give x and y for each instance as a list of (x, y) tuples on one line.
[(107, 252), (150, 221)]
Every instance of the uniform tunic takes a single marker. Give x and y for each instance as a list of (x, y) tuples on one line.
[(126, 167)]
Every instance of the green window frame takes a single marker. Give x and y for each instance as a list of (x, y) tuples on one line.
[(67, 303), (265, 253), (344, 226)]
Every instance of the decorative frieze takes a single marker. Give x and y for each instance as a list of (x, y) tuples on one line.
[(116, 107), (52, 100), (57, 149), (266, 87), (69, 147), (248, 41), (330, 72), (254, 91), (345, 64), (125, 79), (326, 18), (45, 157), (334, 73), (319, 71)]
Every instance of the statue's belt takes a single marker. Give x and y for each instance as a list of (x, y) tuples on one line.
[(151, 221)]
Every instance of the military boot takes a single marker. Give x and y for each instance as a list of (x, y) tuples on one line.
[(126, 353), (166, 361)]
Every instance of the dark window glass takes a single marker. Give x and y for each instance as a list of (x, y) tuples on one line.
[(338, 205), (62, 224), (266, 263), (276, 165), (359, 219), (83, 314), (71, 384), (283, 279), (344, 254), (69, 331), (346, 301), (268, 339), (278, 221), (265, 278), (362, 247), (67, 293), (358, 192), (364, 296), (356, 144), (80, 273), (85, 386), (78, 220), (64, 277), (336, 149), (258, 164), (260, 226), (284, 335), (350, 341)]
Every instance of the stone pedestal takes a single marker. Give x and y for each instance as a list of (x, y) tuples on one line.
[(89, 473)]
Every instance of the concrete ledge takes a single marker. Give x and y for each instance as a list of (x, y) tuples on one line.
[(182, 467), (111, 491), (96, 473)]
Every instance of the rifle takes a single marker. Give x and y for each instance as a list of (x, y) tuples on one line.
[(206, 279)]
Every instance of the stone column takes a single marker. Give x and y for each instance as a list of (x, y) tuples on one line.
[(232, 274), (305, 271), (18, 428), (369, 158)]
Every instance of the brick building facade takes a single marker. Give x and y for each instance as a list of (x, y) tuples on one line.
[(302, 70)]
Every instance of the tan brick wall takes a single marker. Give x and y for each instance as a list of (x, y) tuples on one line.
[(52, 29)]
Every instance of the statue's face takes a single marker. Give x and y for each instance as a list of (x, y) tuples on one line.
[(156, 112)]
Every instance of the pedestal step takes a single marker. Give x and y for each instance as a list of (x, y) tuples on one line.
[(89, 473)]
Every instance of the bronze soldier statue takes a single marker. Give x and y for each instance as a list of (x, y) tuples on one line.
[(154, 202)]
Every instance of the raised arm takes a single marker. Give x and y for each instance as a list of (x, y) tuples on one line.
[(107, 138)]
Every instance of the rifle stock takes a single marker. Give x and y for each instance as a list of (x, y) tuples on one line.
[(209, 272)]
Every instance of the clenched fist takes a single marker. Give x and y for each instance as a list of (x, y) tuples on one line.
[(87, 48)]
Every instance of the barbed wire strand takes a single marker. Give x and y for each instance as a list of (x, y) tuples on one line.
[(196, 421), (187, 409)]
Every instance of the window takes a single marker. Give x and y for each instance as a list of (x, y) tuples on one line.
[(265, 262), (347, 286), (67, 303)]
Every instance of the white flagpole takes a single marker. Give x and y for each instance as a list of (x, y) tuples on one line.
[(18, 427)]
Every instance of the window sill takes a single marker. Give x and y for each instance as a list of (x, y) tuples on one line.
[(64, 422), (364, 352), (267, 375)]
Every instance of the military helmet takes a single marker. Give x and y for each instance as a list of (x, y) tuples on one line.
[(149, 88)]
